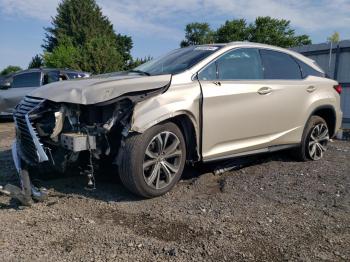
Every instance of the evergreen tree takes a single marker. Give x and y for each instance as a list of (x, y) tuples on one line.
[(82, 22), (36, 62)]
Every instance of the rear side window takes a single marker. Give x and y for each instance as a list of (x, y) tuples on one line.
[(27, 80), (308, 70), (278, 65)]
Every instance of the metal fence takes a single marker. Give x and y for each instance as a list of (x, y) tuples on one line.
[(335, 61)]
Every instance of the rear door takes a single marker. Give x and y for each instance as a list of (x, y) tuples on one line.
[(290, 96), (21, 86)]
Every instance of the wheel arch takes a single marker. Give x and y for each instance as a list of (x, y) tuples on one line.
[(328, 113), (189, 128)]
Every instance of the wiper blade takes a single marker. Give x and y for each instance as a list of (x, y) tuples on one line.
[(139, 72)]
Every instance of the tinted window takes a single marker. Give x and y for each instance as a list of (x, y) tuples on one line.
[(308, 70), (72, 75), (51, 77), (278, 65), (178, 60), (208, 73), (27, 80)]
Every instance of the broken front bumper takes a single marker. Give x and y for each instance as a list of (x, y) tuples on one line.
[(28, 191)]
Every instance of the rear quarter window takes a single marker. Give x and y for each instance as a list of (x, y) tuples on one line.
[(307, 70), (278, 65)]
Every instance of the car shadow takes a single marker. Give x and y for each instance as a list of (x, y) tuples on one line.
[(108, 185), (6, 119)]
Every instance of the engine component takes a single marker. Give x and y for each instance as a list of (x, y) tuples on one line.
[(59, 121), (77, 142)]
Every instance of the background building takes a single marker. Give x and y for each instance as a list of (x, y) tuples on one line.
[(335, 62)]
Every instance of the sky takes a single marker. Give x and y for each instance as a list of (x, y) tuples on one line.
[(157, 26)]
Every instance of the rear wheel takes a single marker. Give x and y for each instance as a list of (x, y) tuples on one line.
[(153, 162), (314, 141)]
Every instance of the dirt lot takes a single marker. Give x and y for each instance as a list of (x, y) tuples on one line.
[(270, 209)]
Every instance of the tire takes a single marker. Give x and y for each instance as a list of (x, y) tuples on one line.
[(308, 144), (138, 168)]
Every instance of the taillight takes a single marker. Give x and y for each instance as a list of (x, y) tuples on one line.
[(338, 88)]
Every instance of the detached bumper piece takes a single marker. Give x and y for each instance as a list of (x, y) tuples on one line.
[(27, 193)]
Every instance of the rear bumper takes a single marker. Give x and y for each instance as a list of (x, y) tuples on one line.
[(339, 121)]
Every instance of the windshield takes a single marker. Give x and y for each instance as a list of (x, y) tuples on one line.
[(178, 60)]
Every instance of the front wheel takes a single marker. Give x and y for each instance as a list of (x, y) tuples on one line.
[(314, 141), (152, 162)]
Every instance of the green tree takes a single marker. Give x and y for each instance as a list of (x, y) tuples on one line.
[(10, 69), (334, 38), (100, 55), (197, 34), (234, 30), (139, 61), (36, 62), (124, 45), (265, 30), (83, 23), (64, 55), (277, 32)]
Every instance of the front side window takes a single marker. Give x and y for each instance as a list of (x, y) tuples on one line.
[(278, 65), (27, 80), (240, 64), (209, 72), (50, 77)]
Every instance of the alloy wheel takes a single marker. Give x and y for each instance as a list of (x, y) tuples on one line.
[(162, 160), (319, 138)]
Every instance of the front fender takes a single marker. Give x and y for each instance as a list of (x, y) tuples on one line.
[(177, 100)]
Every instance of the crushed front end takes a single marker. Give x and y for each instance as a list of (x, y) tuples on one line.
[(52, 137)]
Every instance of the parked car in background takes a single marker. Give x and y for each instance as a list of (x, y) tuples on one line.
[(199, 103), (13, 88), (5, 81)]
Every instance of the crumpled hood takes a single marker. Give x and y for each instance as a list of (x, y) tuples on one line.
[(98, 89)]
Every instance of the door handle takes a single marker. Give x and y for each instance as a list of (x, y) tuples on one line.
[(218, 83), (264, 90), (311, 88)]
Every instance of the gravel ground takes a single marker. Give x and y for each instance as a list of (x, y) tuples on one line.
[(270, 209)]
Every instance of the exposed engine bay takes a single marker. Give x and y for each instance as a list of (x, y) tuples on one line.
[(57, 136), (69, 130)]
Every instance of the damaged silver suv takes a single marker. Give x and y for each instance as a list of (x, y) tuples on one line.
[(200, 103)]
